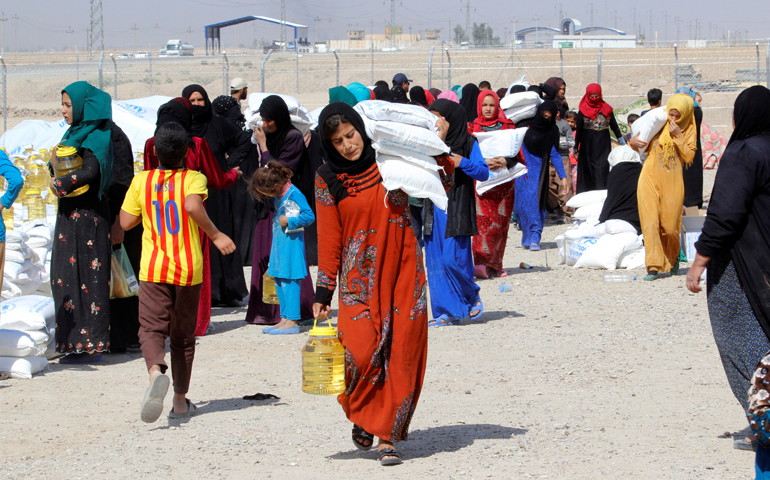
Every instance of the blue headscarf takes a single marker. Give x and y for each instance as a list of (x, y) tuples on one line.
[(689, 91), (360, 91)]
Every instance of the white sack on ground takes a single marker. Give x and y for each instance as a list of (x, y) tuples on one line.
[(22, 367), (577, 248), (606, 252), (15, 343), (633, 259), (587, 198), (416, 182), (588, 211), (613, 227), (33, 312)]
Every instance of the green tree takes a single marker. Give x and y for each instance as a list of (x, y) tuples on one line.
[(483, 35), (460, 35)]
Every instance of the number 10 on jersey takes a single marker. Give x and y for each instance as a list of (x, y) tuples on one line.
[(171, 217)]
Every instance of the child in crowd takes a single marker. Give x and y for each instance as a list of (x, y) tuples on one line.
[(632, 117), (14, 183), (571, 118), (168, 201), (287, 255)]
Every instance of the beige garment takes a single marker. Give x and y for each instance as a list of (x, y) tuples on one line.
[(557, 200), (661, 196)]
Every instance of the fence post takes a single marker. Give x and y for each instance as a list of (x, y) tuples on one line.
[(262, 69), (430, 66), (676, 67), (599, 66), (101, 71), (77, 63), (338, 67), (5, 105), (296, 50), (449, 69), (115, 77), (373, 65), (758, 82), (225, 72), (149, 59), (561, 63)]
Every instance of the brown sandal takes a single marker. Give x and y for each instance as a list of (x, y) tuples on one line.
[(395, 457), (359, 436)]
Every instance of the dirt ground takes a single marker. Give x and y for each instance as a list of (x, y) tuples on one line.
[(564, 377)]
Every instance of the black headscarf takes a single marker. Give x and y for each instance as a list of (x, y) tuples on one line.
[(417, 95), (337, 163), (274, 108), (457, 138), (383, 93), (177, 110), (469, 101), (201, 114), (750, 113), (541, 137), (226, 106), (398, 95), (543, 133), (518, 89)]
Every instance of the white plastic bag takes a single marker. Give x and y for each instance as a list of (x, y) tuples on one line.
[(32, 312), (501, 143), (380, 111), (390, 135), (416, 182), (13, 269), (587, 198), (606, 252), (648, 125), (22, 367)]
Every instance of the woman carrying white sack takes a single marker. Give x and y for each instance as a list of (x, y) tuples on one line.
[(622, 182)]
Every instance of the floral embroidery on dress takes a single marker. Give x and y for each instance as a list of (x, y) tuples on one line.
[(74, 179), (759, 402), (364, 260), (398, 198), (365, 314), (90, 244), (69, 306), (421, 303), (75, 215), (83, 287), (94, 308), (324, 280), (403, 418), (322, 193), (72, 260), (352, 372), (61, 237), (381, 357), (95, 264), (403, 220)]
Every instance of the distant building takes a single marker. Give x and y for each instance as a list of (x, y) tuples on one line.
[(594, 41), (392, 29), (432, 34), (356, 34)]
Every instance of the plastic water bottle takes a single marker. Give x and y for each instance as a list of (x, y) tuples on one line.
[(506, 287), (323, 362), (618, 277)]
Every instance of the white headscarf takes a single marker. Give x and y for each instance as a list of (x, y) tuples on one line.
[(621, 154)]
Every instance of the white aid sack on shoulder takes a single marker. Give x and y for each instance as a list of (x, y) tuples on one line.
[(22, 367), (648, 125), (584, 213), (578, 248), (255, 101), (613, 227), (15, 343), (501, 143), (391, 135), (606, 253), (587, 198), (514, 100), (499, 177), (32, 312), (517, 114), (422, 161), (416, 182), (302, 121), (632, 259), (382, 111)]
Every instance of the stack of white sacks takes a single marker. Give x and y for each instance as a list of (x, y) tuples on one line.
[(28, 260), (406, 140), (27, 335), (610, 245), (300, 117), (520, 106)]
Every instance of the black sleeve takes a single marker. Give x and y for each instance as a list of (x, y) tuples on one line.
[(511, 162), (614, 126), (122, 170), (237, 143), (579, 128)]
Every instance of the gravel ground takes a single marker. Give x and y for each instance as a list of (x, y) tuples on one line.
[(564, 377)]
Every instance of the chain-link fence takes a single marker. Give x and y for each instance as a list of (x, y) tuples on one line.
[(31, 83)]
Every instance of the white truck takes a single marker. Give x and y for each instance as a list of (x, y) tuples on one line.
[(175, 48)]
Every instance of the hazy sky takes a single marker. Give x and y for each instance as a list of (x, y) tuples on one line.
[(43, 24)]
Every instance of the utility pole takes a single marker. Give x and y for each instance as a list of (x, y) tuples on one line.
[(393, 23), (636, 32), (649, 12), (70, 31), (189, 32), (316, 20), (592, 14), (135, 28), (283, 24), (96, 30), (677, 22), (15, 28), (3, 19), (468, 22), (329, 35)]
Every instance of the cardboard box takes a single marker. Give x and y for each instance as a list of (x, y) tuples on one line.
[(691, 229)]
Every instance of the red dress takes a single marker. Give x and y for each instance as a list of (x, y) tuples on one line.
[(200, 159), (366, 241)]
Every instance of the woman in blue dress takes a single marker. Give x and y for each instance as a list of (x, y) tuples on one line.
[(540, 145), (454, 294)]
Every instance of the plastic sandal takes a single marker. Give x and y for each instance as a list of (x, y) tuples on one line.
[(392, 453), (442, 321), (501, 274), (268, 329), (284, 331), (480, 307), (653, 275), (191, 410), (359, 435), (480, 271), (534, 247)]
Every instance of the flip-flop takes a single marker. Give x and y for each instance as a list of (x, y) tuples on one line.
[(480, 306), (480, 271), (191, 410), (501, 274), (534, 247), (442, 321), (152, 405), (284, 331)]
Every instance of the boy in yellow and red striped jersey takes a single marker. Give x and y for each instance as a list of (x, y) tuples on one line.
[(168, 201)]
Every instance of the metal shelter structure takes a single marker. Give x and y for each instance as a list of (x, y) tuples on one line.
[(569, 26), (213, 31)]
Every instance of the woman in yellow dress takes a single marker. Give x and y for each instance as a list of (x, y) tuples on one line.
[(661, 187)]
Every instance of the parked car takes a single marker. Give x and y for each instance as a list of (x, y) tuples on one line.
[(142, 55), (270, 47), (125, 55)]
